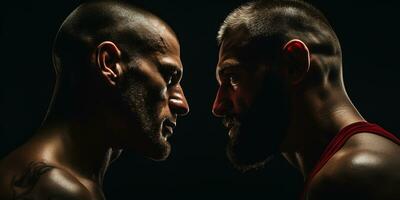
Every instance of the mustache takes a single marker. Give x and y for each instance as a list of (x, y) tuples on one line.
[(230, 121)]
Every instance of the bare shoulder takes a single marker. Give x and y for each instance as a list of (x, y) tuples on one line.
[(42, 181), (58, 184), (367, 167)]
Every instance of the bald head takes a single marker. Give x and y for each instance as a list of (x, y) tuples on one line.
[(133, 30)]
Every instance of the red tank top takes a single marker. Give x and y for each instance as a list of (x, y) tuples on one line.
[(340, 139)]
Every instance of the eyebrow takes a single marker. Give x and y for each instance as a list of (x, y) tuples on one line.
[(172, 66)]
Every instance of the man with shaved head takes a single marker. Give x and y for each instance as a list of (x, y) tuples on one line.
[(117, 87), (281, 90)]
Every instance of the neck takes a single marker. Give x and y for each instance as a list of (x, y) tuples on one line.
[(316, 119), (79, 144)]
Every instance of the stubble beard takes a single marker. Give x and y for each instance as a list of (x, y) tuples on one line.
[(144, 111)]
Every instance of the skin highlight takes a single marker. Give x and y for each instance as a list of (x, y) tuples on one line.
[(118, 87), (291, 100)]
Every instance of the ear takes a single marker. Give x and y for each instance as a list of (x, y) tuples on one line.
[(296, 57), (108, 59)]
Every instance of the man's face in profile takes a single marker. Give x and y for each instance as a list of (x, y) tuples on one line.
[(152, 94), (252, 101)]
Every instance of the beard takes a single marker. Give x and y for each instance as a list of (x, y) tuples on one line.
[(255, 136), (142, 104)]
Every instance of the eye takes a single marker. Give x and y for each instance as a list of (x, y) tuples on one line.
[(233, 80), (171, 77)]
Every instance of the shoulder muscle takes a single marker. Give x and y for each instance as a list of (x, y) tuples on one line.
[(358, 174), (42, 181)]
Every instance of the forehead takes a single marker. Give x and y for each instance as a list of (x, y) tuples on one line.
[(240, 47), (169, 52), (162, 41), (234, 40), (232, 49), (162, 35)]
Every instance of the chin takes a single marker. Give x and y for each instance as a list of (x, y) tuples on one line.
[(245, 165), (162, 154), (244, 152), (151, 145), (159, 149)]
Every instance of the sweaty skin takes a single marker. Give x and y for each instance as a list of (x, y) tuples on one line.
[(130, 98), (287, 96)]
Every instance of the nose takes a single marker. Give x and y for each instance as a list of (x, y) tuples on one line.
[(221, 103), (177, 102)]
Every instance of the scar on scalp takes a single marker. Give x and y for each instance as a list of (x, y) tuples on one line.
[(23, 185)]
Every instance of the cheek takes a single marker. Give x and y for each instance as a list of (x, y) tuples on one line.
[(159, 100), (157, 93), (154, 83), (163, 102), (242, 99), (247, 91)]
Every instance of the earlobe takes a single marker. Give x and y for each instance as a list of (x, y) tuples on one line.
[(297, 58), (108, 58)]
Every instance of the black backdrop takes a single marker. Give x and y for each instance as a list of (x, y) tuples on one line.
[(197, 167)]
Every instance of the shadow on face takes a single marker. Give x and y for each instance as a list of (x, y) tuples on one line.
[(253, 102), (151, 97)]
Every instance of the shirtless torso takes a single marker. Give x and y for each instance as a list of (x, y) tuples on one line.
[(34, 172)]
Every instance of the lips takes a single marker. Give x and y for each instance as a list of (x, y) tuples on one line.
[(232, 124), (168, 128), (229, 122), (234, 130)]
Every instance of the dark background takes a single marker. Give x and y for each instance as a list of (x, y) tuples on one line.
[(197, 167)]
